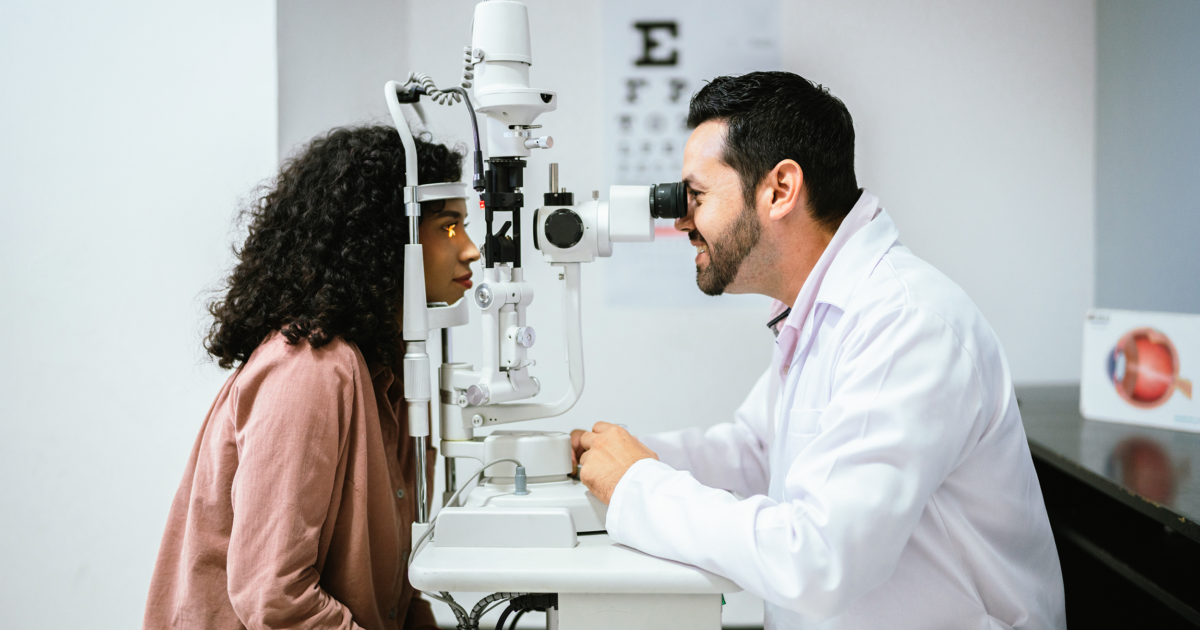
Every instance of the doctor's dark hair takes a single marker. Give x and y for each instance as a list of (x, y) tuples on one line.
[(324, 254), (775, 116)]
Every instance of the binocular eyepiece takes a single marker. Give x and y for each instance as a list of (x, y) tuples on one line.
[(581, 233), (668, 201)]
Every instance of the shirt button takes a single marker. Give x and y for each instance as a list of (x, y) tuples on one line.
[(400, 493), (392, 614)]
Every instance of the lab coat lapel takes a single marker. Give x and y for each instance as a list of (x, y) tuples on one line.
[(854, 262), (857, 260)]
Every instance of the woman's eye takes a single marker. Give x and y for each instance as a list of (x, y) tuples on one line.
[(450, 229)]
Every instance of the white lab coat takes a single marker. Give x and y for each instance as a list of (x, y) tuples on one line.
[(887, 478)]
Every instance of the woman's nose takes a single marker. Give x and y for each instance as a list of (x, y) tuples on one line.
[(470, 253)]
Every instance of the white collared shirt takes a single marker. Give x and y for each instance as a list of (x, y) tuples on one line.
[(886, 475)]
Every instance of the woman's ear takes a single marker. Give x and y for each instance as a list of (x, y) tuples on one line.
[(781, 189)]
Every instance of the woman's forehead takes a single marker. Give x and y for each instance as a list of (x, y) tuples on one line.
[(456, 206), (452, 208)]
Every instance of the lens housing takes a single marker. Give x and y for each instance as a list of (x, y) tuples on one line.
[(668, 201)]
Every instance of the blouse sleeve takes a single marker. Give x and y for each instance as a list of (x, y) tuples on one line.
[(290, 428)]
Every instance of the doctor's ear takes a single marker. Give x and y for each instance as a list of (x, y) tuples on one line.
[(780, 190)]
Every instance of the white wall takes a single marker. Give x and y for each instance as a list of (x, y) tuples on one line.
[(1148, 156), (131, 130), (975, 125), (334, 58)]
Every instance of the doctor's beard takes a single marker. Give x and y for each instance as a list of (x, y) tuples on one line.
[(726, 254)]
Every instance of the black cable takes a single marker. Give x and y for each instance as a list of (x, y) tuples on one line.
[(524, 603), (778, 318), (476, 179), (504, 615)]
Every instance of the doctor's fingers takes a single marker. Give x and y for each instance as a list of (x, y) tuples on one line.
[(576, 447), (606, 427), (587, 440)]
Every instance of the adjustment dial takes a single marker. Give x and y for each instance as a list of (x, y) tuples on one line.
[(564, 228)]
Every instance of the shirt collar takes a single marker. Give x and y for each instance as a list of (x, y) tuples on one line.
[(860, 241)]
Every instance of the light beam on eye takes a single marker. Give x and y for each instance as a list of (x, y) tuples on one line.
[(450, 230)]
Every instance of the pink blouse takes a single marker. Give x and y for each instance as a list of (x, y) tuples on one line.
[(296, 504)]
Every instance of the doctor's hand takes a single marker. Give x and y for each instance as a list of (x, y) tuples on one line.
[(576, 448), (608, 451)]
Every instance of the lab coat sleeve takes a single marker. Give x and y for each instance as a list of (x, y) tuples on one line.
[(731, 455), (904, 409)]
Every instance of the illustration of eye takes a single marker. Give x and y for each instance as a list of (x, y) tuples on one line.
[(1144, 368)]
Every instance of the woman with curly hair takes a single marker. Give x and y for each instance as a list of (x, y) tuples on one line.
[(296, 506)]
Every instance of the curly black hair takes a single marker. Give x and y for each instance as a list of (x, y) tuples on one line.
[(325, 251)]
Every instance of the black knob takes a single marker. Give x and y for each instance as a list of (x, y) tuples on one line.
[(564, 228)]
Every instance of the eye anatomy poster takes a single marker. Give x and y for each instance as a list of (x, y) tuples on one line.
[(1139, 367), (658, 53)]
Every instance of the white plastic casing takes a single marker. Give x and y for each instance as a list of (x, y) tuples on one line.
[(629, 219), (544, 454), (587, 512), (594, 215), (515, 527), (625, 218), (500, 32), (501, 28)]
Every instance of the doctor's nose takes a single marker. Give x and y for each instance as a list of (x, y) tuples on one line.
[(687, 222)]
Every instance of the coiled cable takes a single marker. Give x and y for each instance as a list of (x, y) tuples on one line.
[(441, 97), (487, 603), (469, 62), (449, 96)]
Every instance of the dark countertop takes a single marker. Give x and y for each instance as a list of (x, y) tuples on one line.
[(1155, 471)]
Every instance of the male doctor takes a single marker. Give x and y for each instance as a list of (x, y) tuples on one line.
[(878, 475)]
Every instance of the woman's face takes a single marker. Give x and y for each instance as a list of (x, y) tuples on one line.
[(448, 253)]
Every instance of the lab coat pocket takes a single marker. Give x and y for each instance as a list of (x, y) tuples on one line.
[(803, 426)]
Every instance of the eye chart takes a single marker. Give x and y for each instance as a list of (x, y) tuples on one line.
[(658, 53)]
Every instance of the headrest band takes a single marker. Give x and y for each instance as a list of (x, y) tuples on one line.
[(436, 192)]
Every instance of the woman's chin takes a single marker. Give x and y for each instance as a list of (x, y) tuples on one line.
[(450, 296)]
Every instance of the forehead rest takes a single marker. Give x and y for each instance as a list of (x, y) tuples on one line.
[(437, 192)]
